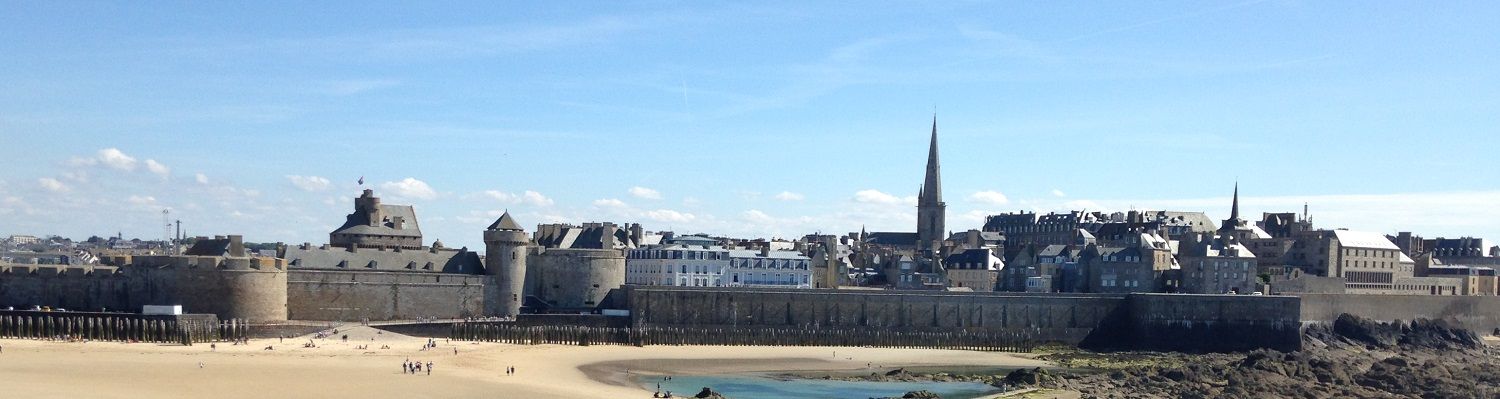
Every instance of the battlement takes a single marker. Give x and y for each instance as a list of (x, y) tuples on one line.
[(59, 271), (187, 262)]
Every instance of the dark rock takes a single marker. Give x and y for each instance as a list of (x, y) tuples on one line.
[(707, 393)]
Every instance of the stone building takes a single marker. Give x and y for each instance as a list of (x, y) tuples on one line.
[(977, 269), (1471, 280), (576, 268), (1221, 263), (373, 225), (1217, 265), (1139, 266), (1044, 268)]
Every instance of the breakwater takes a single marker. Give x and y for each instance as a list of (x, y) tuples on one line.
[(123, 327)]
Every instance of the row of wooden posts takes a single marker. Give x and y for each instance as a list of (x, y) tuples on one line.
[(123, 328), (980, 340)]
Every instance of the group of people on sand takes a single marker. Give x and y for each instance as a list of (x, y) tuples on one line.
[(410, 367), (659, 393)]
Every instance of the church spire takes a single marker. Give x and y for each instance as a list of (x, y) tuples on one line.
[(932, 185), (1234, 212), (931, 211)]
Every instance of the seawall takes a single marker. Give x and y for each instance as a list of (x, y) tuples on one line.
[(1135, 321), (356, 295), (1478, 313)]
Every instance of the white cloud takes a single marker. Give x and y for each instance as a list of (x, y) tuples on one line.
[(878, 197), (756, 216), (201, 178), (114, 158), (645, 193), (77, 176), (528, 197), (500, 195), (141, 200), (409, 188), (52, 185), (668, 215), (535, 198), (609, 203), (989, 197), (1058, 193), (790, 196), (157, 168), (310, 183)]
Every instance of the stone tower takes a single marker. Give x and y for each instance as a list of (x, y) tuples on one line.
[(506, 247), (931, 211)]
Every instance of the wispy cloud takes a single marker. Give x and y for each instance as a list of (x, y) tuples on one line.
[(989, 197), (410, 188), (304, 183), (645, 193)]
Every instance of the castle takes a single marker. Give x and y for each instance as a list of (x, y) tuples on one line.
[(373, 268)]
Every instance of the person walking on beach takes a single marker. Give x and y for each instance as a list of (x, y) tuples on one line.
[(429, 367)]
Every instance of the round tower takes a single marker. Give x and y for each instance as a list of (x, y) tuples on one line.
[(506, 246)]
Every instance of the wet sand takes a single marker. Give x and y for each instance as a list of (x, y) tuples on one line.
[(336, 369)]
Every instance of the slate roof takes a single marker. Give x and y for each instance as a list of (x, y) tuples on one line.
[(963, 260), (457, 261), (892, 238), (506, 222), (209, 247), (358, 223)]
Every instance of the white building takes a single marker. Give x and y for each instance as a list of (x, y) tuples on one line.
[(715, 266)]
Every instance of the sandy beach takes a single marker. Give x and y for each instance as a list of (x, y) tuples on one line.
[(44, 369)]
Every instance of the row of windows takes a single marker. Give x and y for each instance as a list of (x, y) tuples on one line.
[(1113, 283), (1372, 253)]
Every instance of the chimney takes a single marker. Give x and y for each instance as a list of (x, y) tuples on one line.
[(236, 245), (607, 236)]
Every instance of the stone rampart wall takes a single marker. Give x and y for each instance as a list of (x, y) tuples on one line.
[(1478, 313), (1054, 318), (1213, 323), (353, 296)]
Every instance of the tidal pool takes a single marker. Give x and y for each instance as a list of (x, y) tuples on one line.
[(763, 386)]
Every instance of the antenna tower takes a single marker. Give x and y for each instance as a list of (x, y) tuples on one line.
[(166, 233)]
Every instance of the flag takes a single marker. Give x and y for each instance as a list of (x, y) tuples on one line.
[(361, 180)]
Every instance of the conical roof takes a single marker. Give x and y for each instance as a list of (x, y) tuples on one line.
[(506, 222)]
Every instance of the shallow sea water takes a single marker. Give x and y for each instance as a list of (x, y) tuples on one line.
[(761, 386)]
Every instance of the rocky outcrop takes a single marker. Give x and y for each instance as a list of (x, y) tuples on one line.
[(1350, 358)]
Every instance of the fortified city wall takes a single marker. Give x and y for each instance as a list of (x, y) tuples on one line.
[(232, 288), (1136, 321), (1477, 313), (356, 295)]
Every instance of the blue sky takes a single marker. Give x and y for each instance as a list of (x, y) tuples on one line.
[(748, 120)]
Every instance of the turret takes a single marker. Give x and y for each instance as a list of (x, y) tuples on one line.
[(506, 248)]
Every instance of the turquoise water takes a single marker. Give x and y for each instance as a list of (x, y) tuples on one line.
[(753, 386)]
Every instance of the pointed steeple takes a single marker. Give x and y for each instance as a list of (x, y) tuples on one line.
[(931, 212), (932, 185), (1234, 212)]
